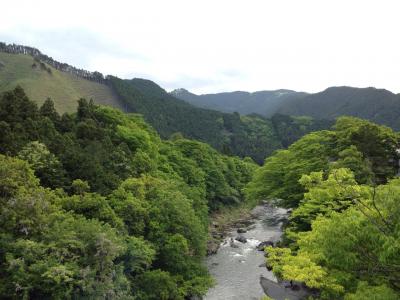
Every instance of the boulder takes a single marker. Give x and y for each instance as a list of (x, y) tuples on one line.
[(232, 243), (286, 284), (212, 248), (241, 239), (264, 244), (241, 230)]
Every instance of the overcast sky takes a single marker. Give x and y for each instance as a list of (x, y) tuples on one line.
[(212, 46)]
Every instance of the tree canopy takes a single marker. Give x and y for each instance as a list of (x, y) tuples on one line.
[(95, 204), (342, 236)]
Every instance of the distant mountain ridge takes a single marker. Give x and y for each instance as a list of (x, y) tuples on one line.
[(378, 105), (265, 103)]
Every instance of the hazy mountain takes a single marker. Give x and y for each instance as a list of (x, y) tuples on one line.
[(263, 102), (378, 105)]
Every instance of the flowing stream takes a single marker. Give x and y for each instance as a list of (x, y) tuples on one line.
[(237, 267)]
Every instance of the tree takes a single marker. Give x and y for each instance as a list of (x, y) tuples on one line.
[(357, 244), (323, 197), (45, 164), (279, 177), (48, 110)]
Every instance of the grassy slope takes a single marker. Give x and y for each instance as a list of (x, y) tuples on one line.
[(64, 88)]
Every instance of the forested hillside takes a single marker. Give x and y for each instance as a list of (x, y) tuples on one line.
[(42, 77), (253, 135), (342, 238), (95, 205)]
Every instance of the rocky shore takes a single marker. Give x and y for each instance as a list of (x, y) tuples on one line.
[(243, 219)]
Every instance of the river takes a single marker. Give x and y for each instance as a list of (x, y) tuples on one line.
[(237, 269)]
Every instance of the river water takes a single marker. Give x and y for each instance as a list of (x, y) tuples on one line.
[(237, 269)]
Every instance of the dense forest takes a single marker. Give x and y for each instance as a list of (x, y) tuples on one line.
[(253, 135), (95, 205), (342, 238)]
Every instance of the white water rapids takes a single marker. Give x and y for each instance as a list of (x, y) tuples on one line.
[(237, 269)]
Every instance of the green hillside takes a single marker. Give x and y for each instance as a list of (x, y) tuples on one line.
[(253, 136), (64, 88)]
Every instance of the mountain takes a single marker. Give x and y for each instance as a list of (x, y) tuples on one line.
[(41, 80), (265, 103), (254, 135), (251, 135), (378, 105)]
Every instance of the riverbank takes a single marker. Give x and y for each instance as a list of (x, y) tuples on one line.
[(222, 222)]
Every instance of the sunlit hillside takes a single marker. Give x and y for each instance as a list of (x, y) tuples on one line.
[(64, 88)]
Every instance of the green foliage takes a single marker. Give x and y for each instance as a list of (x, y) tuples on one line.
[(355, 240), (335, 194), (367, 149), (253, 136), (353, 159), (378, 144), (165, 289), (45, 164), (126, 215), (289, 129), (364, 291), (281, 172), (300, 268), (79, 187), (47, 252), (342, 236)]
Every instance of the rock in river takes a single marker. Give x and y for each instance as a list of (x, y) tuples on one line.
[(241, 239), (264, 244)]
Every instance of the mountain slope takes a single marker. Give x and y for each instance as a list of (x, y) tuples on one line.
[(42, 76), (39, 83), (377, 105), (265, 103), (231, 133)]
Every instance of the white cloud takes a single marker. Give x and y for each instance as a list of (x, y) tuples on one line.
[(210, 46)]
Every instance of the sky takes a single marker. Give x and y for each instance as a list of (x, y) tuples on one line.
[(213, 46)]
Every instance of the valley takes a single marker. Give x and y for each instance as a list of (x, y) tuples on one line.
[(114, 188)]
